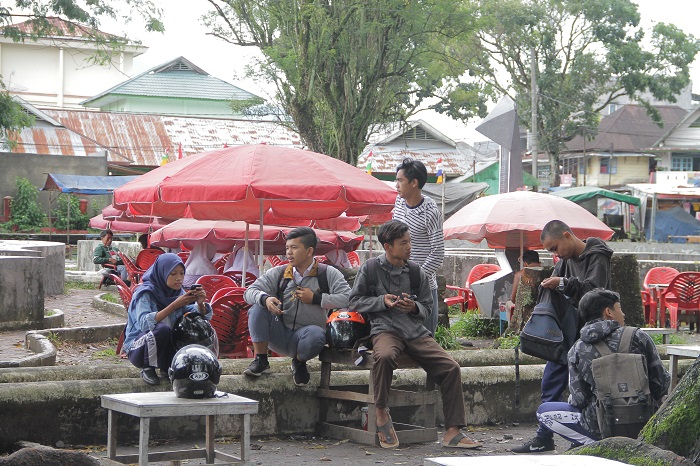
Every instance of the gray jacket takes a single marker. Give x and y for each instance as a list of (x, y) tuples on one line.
[(368, 297), (297, 314)]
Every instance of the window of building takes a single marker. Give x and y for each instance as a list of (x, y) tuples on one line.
[(682, 163), (608, 168)]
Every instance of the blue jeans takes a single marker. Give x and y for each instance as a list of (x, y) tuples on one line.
[(304, 343)]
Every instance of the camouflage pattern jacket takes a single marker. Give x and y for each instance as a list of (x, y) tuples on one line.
[(582, 390)]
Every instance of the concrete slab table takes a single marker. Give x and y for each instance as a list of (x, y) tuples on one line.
[(676, 352), (165, 404)]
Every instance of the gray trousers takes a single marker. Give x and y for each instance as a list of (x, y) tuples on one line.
[(303, 343)]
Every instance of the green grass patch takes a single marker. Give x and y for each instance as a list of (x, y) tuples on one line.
[(106, 353), (78, 286), (508, 342), (673, 340), (473, 325), (110, 298)]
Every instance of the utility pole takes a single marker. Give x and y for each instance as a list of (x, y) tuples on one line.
[(533, 122), (610, 163)]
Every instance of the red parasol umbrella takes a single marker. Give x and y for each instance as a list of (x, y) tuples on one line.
[(517, 218), (244, 182), (227, 235), (130, 225)]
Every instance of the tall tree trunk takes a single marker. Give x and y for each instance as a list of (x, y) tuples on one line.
[(625, 280)]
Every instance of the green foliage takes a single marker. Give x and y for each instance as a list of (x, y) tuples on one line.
[(110, 298), (12, 118), (473, 324), (673, 340), (78, 220), (588, 53), (341, 67), (446, 338), (67, 286), (508, 342), (26, 212), (105, 353)]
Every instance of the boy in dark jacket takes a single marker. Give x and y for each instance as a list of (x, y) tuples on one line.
[(397, 326), (577, 420), (583, 266)]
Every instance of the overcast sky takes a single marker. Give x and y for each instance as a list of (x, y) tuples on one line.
[(187, 37)]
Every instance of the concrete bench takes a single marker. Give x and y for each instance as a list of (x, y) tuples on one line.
[(666, 332), (354, 431), (160, 404)]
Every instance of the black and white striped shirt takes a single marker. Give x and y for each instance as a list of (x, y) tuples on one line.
[(427, 241)]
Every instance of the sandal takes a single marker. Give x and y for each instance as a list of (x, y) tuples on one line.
[(389, 434), (456, 442)]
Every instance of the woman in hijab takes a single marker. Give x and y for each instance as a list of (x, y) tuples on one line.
[(157, 304)]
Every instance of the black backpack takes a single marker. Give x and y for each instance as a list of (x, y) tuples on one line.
[(623, 399), (552, 328)]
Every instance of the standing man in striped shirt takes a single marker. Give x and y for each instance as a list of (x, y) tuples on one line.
[(424, 221)]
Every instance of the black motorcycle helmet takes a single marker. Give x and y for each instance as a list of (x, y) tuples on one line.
[(193, 329), (344, 327), (194, 372)]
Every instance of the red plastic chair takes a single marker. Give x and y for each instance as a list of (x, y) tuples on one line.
[(133, 272), (212, 283), (226, 290), (275, 261), (237, 276), (354, 259), (230, 320), (146, 258), (682, 294), (465, 297), (221, 262), (650, 298)]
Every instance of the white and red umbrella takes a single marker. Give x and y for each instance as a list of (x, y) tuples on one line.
[(130, 225), (516, 219), (245, 182)]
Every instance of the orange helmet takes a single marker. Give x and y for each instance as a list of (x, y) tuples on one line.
[(344, 327)]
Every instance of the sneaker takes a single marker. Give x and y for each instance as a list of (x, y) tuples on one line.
[(148, 374), (300, 373), (257, 367), (536, 445)]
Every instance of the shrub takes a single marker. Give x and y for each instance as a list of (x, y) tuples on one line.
[(26, 212), (473, 324), (446, 338), (78, 220)]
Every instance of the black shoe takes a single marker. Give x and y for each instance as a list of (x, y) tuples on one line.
[(148, 374), (300, 373), (536, 445), (257, 367)]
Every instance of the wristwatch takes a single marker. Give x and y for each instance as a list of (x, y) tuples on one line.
[(561, 284)]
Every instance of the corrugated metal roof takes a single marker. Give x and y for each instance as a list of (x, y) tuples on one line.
[(177, 79), (144, 139), (62, 28), (52, 140), (423, 143)]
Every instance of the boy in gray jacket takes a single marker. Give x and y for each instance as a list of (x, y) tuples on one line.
[(289, 309), (396, 318)]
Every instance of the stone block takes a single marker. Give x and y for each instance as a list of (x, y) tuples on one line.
[(22, 292)]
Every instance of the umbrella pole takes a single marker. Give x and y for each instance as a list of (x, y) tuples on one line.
[(260, 257), (245, 253)]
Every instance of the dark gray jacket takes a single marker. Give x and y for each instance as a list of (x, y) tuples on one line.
[(591, 269), (367, 297)]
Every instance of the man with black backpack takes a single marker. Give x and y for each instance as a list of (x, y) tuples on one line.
[(616, 378), (583, 266), (289, 307), (394, 293)]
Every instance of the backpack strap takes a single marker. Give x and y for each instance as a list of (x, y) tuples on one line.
[(414, 277), (321, 276), (623, 347)]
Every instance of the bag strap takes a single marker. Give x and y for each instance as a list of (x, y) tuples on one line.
[(623, 347), (414, 277), (321, 276)]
